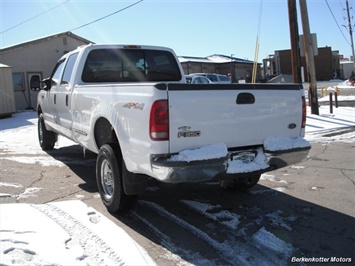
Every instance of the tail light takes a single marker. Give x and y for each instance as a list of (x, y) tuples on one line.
[(304, 112), (159, 120)]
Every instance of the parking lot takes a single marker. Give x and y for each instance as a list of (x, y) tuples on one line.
[(294, 214)]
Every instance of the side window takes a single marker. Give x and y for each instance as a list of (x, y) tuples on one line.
[(223, 78), (69, 69), (213, 78), (57, 72), (18, 81), (204, 80)]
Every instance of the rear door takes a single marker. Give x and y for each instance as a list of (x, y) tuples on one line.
[(235, 114)]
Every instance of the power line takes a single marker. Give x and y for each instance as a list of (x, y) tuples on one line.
[(337, 22), (48, 10), (106, 16)]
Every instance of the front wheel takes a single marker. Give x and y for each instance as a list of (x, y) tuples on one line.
[(47, 139), (109, 174)]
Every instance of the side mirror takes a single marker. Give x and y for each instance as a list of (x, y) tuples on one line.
[(48, 84), (35, 83)]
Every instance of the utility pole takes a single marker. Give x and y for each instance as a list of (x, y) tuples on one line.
[(309, 53), (351, 33), (295, 51)]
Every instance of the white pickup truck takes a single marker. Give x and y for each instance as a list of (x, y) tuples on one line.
[(132, 106)]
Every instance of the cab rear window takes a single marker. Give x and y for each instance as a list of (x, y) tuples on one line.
[(130, 65)]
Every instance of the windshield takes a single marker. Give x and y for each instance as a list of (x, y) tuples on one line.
[(128, 65)]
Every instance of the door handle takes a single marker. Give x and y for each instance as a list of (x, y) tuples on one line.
[(245, 98), (66, 100)]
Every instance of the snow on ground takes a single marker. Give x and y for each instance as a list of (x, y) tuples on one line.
[(343, 88), (64, 233), (328, 127), (71, 233)]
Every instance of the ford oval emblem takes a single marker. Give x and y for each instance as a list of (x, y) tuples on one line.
[(292, 126)]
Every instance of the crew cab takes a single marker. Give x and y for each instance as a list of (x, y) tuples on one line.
[(131, 105)]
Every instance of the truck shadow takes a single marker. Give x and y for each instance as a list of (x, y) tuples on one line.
[(202, 222), (81, 163)]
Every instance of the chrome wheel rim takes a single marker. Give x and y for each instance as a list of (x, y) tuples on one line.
[(107, 182), (40, 132)]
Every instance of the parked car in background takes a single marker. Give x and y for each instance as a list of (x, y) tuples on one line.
[(194, 79), (215, 78)]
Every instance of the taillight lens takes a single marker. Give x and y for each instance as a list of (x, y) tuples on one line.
[(159, 120), (304, 112)]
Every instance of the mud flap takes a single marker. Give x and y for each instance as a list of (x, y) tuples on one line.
[(134, 184)]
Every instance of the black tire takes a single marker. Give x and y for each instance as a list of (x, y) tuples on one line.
[(47, 139), (109, 173), (251, 182), (236, 185)]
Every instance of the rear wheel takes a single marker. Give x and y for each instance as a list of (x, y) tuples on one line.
[(251, 182), (47, 139), (235, 184), (109, 173)]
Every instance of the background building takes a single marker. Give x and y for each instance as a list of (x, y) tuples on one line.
[(37, 57), (236, 68), (327, 65)]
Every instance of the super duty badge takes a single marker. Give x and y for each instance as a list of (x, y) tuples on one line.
[(185, 132)]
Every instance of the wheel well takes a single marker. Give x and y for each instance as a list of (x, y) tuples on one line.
[(104, 132)]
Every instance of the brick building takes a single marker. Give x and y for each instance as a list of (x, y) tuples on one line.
[(237, 68), (327, 64)]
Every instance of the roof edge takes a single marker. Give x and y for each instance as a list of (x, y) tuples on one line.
[(32, 42)]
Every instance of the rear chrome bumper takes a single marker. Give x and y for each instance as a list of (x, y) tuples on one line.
[(169, 171)]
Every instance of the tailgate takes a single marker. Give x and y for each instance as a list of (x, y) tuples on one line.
[(235, 114)]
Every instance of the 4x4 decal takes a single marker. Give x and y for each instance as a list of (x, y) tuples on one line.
[(139, 106)]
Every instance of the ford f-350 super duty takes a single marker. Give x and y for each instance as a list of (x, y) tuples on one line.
[(131, 105)]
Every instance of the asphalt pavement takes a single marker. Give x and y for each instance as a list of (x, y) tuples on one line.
[(309, 206)]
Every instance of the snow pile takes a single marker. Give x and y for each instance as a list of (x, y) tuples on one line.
[(64, 233), (262, 248), (343, 88), (215, 213), (239, 166), (277, 220), (213, 151), (285, 143), (265, 240)]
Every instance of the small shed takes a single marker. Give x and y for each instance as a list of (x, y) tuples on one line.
[(7, 97), (346, 68)]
